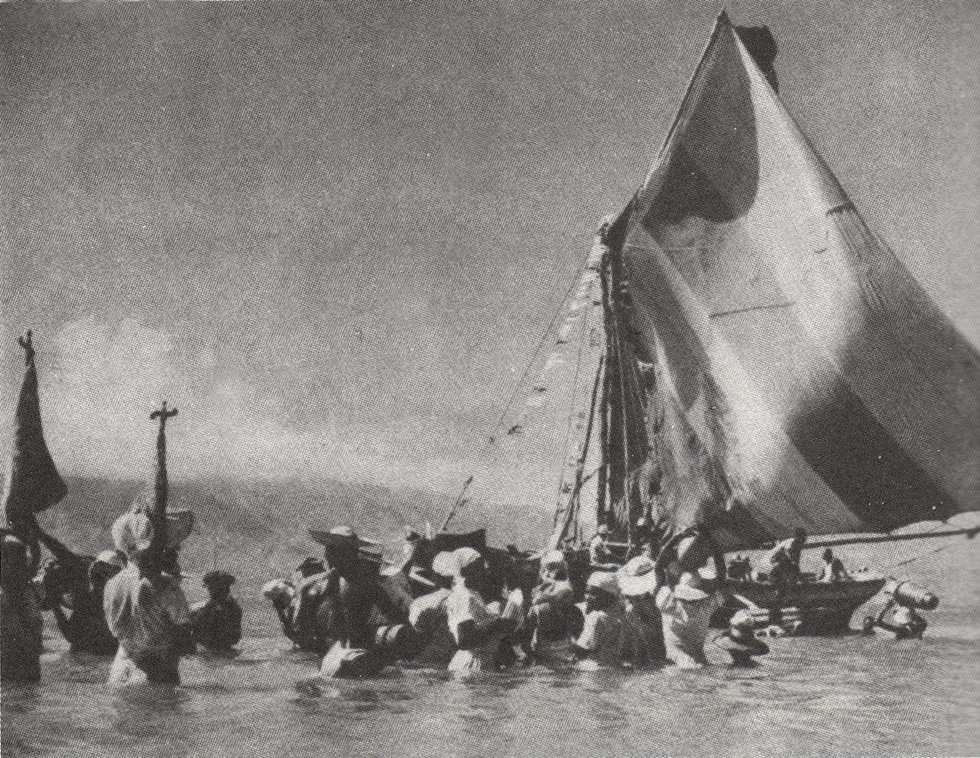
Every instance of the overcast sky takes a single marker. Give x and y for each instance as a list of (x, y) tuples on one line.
[(332, 233)]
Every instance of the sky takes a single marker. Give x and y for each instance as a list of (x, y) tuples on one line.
[(334, 233)]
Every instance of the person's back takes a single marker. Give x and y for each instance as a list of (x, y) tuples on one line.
[(80, 616), (145, 607), (146, 615), (427, 615)]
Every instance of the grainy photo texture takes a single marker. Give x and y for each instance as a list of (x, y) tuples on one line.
[(489, 378)]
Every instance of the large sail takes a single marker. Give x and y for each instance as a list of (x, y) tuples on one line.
[(803, 378)]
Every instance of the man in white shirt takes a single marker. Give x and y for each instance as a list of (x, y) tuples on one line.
[(145, 608)]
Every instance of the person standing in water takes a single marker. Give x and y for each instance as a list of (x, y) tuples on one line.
[(20, 616), (32, 485), (217, 621), (145, 606), (476, 629)]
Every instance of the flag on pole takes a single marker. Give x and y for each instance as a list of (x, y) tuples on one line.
[(33, 482)]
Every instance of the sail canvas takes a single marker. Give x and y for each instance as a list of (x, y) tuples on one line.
[(804, 379)]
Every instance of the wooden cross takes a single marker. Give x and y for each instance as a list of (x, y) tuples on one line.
[(28, 345), (163, 414)]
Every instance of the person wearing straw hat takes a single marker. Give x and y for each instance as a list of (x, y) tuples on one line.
[(427, 615), (145, 607), (740, 641), (217, 621), (344, 602), (476, 629), (348, 607), (553, 616), (642, 635), (600, 641), (686, 610)]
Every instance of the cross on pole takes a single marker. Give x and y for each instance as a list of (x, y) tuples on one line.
[(28, 344), (158, 513)]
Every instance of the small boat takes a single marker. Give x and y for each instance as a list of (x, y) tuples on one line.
[(741, 355)]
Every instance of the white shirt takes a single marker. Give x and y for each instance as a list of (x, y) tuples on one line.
[(142, 614)]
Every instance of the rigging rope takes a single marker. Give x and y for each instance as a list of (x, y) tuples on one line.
[(492, 438)]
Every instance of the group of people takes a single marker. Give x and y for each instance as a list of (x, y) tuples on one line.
[(127, 602), (783, 565), (470, 611)]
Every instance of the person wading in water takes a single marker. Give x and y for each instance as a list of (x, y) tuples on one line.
[(144, 605)]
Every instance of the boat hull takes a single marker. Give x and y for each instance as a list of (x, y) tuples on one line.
[(824, 608)]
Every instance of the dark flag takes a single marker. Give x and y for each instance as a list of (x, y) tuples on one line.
[(33, 482)]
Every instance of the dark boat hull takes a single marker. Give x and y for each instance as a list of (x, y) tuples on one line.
[(824, 608)]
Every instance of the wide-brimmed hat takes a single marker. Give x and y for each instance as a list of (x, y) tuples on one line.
[(695, 585), (602, 581), (133, 531), (451, 564), (638, 577)]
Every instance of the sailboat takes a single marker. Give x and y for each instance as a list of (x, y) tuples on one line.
[(766, 363)]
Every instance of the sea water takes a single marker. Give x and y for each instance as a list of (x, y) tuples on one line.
[(839, 696)]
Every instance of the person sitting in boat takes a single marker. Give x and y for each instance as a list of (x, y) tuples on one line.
[(687, 609), (145, 607), (833, 569), (21, 623), (600, 642), (475, 627), (553, 616), (739, 568), (740, 641), (601, 556), (904, 622), (784, 559), (217, 621), (642, 641)]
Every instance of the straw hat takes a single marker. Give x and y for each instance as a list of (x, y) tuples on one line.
[(603, 581), (451, 564), (339, 536), (132, 532), (553, 558), (695, 585), (637, 577)]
